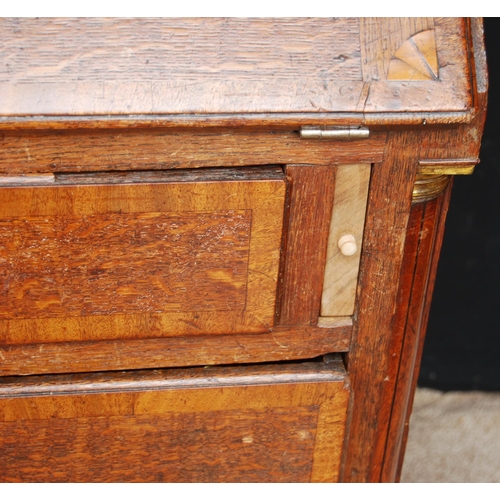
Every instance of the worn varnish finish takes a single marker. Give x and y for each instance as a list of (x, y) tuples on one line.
[(281, 343), (163, 148), (118, 126), (137, 259), (385, 232), (383, 44), (86, 270), (165, 448), (311, 202), (141, 66), (197, 425)]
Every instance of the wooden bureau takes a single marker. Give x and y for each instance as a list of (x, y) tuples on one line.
[(219, 239)]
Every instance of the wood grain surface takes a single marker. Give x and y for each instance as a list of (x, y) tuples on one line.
[(159, 149), (67, 266), (140, 259), (348, 217), (282, 343), (311, 202), (427, 228), (243, 424), (370, 357), (382, 39), (107, 128), (143, 66)]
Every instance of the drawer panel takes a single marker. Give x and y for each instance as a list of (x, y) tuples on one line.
[(272, 423), (148, 262), (101, 257)]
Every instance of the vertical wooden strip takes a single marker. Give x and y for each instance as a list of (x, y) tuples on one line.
[(311, 202), (413, 278), (348, 217), (331, 429), (387, 217)]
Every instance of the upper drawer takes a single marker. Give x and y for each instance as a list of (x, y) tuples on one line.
[(140, 255)]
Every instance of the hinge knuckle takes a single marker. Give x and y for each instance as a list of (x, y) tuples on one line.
[(335, 133)]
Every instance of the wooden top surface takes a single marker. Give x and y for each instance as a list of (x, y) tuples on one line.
[(173, 67)]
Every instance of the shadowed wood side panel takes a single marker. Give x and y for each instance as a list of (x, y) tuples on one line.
[(253, 424), (426, 227)]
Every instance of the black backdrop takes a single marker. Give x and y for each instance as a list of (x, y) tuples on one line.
[(462, 348)]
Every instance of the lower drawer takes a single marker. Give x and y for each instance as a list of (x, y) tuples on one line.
[(273, 423)]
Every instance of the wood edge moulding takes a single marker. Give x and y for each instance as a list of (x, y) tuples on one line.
[(429, 166), (331, 369), (282, 343), (289, 120), (168, 149), (428, 187), (433, 176)]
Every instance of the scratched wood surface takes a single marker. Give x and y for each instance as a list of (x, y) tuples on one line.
[(281, 343), (157, 148), (370, 358), (401, 270), (427, 72), (241, 424), (222, 65), (140, 259), (391, 80)]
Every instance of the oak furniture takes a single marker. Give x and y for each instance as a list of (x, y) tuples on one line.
[(219, 239)]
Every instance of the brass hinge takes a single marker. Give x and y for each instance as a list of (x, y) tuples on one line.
[(335, 133)]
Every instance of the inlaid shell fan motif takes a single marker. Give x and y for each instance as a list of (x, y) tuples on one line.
[(416, 59)]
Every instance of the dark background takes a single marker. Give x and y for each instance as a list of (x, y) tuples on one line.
[(462, 348)]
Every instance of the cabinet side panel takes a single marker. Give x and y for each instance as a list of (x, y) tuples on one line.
[(427, 228)]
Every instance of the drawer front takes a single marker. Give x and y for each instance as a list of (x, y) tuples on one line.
[(115, 257), (274, 423)]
